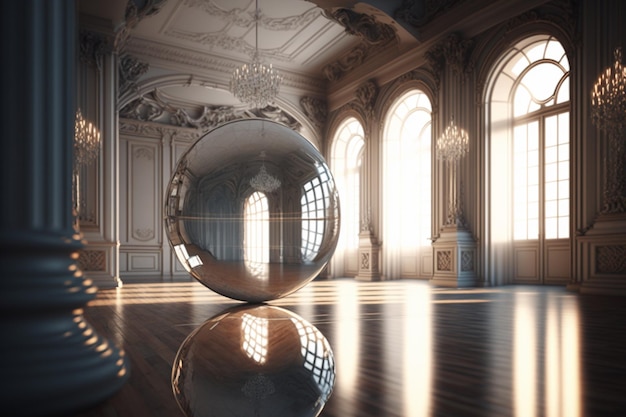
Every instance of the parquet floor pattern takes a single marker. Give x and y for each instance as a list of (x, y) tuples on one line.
[(401, 348)]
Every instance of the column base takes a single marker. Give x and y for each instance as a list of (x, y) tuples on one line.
[(603, 250), (454, 258)]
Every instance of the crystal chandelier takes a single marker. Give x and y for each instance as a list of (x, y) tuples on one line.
[(86, 150), (256, 83), (608, 112), (608, 98), (263, 181), (452, 145), (86, 141)]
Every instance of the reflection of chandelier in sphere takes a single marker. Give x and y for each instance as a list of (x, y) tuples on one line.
[(263, 181)]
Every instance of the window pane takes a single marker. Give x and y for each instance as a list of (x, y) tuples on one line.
[(564, 152), (551, 172), (563, 207), (564, 189), (563, 170), (551, 154), (563, 227), (551, 191), (551, 209), (533, 229), (551, 228)]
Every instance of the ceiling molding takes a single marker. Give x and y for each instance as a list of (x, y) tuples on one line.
[(188, 61)]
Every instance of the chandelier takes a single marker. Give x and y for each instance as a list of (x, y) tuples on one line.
[(263, 181), (608, 112), (608, 98), (256, 83), (86, 150), (452, 145), (86, 141)]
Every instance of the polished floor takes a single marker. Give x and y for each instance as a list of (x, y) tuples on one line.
[(400, 348)]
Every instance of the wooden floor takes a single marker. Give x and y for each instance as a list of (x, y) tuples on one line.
[(401, 348)]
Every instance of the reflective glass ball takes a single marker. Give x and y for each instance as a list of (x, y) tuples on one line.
[(252, 211), (255, 360)]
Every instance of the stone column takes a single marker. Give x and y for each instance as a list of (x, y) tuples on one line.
[(54, 362)]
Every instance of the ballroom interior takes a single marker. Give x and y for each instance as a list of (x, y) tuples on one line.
[(478, 152)]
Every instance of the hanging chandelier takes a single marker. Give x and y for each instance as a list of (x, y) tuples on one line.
[(608, 97), (86, 141), (453, 144), (256, 83), (263, 181)]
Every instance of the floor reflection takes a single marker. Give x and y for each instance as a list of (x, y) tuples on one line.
[(254, 360)]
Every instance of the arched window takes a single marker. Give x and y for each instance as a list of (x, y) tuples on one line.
[(256, 229), (528, 108), (406, 188), (314, 203), (345, 160)]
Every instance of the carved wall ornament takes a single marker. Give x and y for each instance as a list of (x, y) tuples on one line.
[(316, 110), (133, 15), (444, 260), (153, 107), (144, 153), (365, 260), (611, 259), (419, 13), (347, 63), (246, 20), (366, 96), (143, 234), (366, 221), (363, 25), (92, 48), (454, 52), (92, 260), (467, 260), (130, 69)]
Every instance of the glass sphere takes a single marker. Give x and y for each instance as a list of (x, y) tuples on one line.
[(252, 211), (256, 360)]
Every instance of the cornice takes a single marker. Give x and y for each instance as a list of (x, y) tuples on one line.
[(174, 57)]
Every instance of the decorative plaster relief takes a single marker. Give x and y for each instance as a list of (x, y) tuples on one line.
[(144, 153), (363, 25), (143, 234), (92, 48), (611, 259), (316, 110), (130, 69), (365, 261), (418, 13), (467, 260), (152, 107), (366, 96), (92, 260), (444, 260), (454, 52)]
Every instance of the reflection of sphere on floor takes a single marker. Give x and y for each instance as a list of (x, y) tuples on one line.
[(254, 361), (252, 210)]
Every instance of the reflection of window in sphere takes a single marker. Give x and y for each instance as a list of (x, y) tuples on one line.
[(252, 210), (254, 360)]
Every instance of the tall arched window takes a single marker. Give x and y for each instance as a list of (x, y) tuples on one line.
[(345, 159), (256, 229), (406, 188), (528, 108)]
